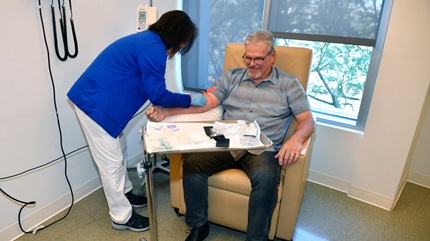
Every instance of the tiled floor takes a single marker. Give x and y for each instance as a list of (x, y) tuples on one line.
[(326, 214)]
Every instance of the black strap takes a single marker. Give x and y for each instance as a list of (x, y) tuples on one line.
[(221, 141), (63, 28)]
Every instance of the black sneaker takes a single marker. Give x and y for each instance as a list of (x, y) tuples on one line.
[(136, 223), (199, 234), (136, 201)]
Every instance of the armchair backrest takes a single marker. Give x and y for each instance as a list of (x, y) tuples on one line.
[(293, 60)]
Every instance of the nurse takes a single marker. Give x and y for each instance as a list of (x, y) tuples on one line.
[(113, 88)]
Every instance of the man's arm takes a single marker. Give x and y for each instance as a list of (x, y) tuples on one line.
[(291, 149), (156, 114)]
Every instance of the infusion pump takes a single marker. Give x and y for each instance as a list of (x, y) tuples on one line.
[(145, 17)]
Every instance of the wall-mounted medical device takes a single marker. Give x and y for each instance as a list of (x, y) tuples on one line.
[(145, 17)]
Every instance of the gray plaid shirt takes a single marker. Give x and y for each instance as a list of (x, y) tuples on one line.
[(272, 103)]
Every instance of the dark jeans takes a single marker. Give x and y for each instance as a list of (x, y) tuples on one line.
[(264, 172)]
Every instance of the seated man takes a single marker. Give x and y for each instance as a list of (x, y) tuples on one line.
[(259, 92)]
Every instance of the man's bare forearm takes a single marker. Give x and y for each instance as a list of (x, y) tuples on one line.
[(305, 129), (189, 110), (156, 113), (211, 103)]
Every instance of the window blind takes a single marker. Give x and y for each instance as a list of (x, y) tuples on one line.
[(336, 21)]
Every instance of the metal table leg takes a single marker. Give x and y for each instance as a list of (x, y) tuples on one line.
[(150, 194)]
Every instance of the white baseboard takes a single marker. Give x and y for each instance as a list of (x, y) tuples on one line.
[(328, 181), (49, 211), (372, 198), (351, 190), (419, 179)]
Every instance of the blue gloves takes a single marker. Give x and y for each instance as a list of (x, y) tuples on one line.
[(198, 99)]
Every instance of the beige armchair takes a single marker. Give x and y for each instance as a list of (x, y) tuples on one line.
[(229, 190)]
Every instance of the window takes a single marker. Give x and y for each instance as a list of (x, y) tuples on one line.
[(346, 38)]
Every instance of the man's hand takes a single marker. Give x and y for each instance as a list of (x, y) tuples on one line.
[(290, 152), (155, 114)]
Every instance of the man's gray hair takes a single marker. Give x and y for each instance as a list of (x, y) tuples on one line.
[(261, 36)]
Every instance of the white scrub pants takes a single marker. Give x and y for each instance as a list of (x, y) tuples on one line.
[(109, 154)]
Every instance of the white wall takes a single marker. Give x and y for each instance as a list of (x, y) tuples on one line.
[(29, 134), (369, 165), (373, 166)]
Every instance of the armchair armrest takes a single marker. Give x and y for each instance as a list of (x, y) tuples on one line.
[(294, 182), (176, 193)]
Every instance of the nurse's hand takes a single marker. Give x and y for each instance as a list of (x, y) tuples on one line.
[(198, 99)]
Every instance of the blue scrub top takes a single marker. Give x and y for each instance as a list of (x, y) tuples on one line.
[(122, 78)]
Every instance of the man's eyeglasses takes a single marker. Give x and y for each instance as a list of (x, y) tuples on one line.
[(257, 60)]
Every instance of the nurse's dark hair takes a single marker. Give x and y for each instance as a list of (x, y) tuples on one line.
[(176, 28)]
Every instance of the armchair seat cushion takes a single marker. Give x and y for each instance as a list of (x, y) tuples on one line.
[(233, 180)]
